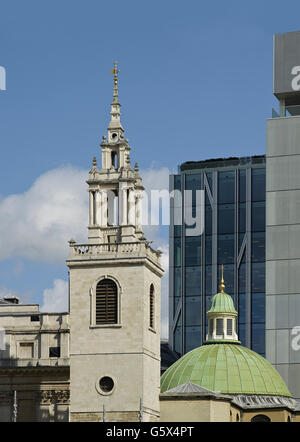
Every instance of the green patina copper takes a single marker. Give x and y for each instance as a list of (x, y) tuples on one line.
[(222, 303), (228, 368)]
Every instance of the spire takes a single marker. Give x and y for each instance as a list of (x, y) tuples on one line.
[(115, 71), (115, 128)]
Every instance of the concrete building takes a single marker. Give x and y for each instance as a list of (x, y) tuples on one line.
[(34, 363), (283, 215), (233, 234), (112, 367), (114, 295)]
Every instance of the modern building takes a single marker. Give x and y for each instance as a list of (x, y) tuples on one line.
[(233, 234), (283, 215)]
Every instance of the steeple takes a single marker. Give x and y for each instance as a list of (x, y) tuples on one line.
[(222, 317), (115, 189), (115, 128)]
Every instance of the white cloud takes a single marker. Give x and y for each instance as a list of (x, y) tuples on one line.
[(56, 298), (38, 223)]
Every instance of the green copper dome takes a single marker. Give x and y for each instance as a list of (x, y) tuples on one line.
[(228, 368), (222, 303)]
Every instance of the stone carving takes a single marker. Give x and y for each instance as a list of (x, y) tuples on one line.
[(48, 397)]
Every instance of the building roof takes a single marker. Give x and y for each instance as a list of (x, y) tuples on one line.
[(228, 368), (222, 303), (222, 162)]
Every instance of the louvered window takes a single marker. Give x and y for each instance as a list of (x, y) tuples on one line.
[(152, 306), (106, 302), (219, 324), (229, 326)]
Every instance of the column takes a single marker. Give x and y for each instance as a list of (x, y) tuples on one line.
[(91, 208), (97, 207), (103, 208), (131, 207), (138, 211), (122, 204)]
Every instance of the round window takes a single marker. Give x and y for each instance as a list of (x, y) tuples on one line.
[(106, 384)]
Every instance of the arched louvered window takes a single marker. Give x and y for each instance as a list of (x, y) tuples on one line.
[(152, 322), (261, 418), (106, 302)]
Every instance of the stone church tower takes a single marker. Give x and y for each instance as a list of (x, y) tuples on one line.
[(114, 295)]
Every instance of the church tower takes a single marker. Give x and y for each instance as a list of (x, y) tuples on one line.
[(114, 294)]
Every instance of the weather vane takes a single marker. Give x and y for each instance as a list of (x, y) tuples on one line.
[(115, 71)]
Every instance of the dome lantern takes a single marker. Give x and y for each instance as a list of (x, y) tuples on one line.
[(222, 317)]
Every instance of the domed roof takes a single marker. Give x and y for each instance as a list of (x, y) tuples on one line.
[(222, 303), (228, 368)]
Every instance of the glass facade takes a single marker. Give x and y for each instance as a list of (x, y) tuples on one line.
[(233, 235)]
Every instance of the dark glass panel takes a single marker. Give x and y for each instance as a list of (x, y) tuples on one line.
[(242, 334), (226, 187), (258, 338), (228, 278), (208, 280), (242, 186), (208, 299), (226, 218), (258, 247), (258, 184), (258, 278), (192, 338), (258, 216), (209, 180), (177, 252), (258, 308), (193, 281), (177, 182), (225, 249), (193, 250), (177, 337), (207, 200), (193, 312), (208, 220), (242, 278), (241, 239), (193, 181), (242, 308), (208, 250), (177, 231), (242, 217), (177, 282), (176, 302)]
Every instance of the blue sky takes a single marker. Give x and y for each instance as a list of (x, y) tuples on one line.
[(195, 83)]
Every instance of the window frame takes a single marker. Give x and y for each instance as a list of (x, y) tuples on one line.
[(93, 323), (152, 322)]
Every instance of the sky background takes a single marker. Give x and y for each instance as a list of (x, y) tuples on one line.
[(195, 83)]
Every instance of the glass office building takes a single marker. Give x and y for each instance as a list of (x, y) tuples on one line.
[(233, 235)]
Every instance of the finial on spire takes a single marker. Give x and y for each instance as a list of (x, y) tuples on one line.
[(222, 285), (94, 162), (115, 71)]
